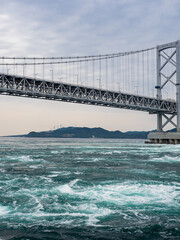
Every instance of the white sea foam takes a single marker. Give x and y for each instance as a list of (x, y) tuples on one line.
[(54, 152), (65, 189), (4, 210), (67, 222), (68, 188), (121, 194), (107, 153), (165, 158), (78, 173), (59, 173), (24, 158), (117, 152), (127, 193), (73, 182), (53, 175), (89, 213), (39, 205), (95, 159)]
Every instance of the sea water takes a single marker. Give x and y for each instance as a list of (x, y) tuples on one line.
[(88, 189)]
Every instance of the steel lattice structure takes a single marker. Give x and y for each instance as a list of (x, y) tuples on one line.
[(35, 88)]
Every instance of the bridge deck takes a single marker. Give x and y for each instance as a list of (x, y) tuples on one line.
[(42, 89)]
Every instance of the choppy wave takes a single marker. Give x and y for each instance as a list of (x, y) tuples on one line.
[(89, 190), (128, 193)]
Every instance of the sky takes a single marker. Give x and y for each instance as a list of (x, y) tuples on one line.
[(46, 28)]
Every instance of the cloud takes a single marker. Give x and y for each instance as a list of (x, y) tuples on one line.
[(78, 27), (84, 27)]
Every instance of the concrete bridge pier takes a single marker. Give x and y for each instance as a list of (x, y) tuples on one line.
[(164, 138)]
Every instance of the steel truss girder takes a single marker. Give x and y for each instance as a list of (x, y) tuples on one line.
[(35, 88)]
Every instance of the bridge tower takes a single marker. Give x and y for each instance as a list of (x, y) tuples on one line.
[(168, 55)]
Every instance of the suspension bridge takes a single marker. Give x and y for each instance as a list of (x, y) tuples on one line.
[(143, 80)]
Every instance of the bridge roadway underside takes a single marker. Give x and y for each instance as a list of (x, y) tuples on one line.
[(49, 90)]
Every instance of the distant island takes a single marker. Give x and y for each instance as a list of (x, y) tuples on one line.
[(85, 132)]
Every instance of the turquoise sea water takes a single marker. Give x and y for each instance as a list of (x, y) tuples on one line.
[(88, 189)]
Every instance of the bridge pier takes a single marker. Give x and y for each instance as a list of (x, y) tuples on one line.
[(162, 137)]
